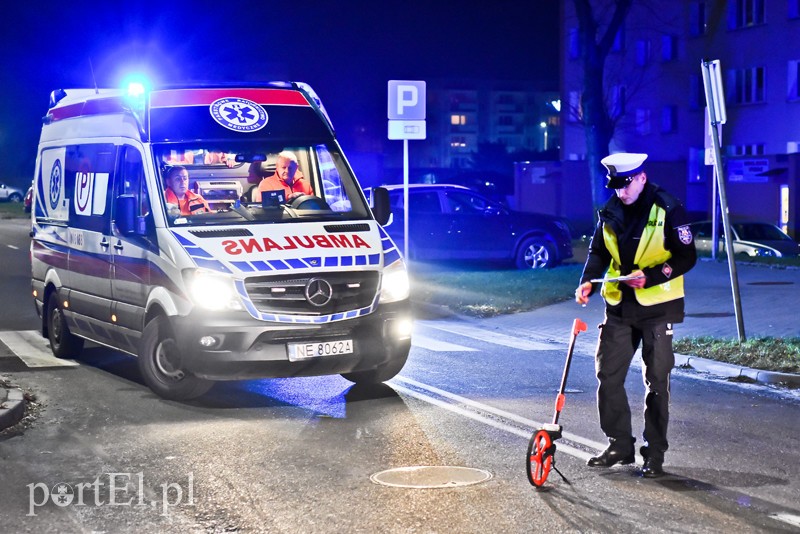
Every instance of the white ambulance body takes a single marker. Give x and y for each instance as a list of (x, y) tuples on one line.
[(309, 286)]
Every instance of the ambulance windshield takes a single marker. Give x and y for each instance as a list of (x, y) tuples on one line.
[(247, 183)]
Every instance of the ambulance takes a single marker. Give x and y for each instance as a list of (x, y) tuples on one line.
[(301, 286)]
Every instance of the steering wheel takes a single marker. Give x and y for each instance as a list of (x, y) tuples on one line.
[(309, 202)]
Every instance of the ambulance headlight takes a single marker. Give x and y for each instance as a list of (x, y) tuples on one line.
[(211, 291), (395, 284)]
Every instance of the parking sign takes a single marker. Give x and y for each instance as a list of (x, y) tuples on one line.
[(406, 100)]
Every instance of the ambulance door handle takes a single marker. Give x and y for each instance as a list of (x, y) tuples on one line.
[(119, 246), (104, 243)]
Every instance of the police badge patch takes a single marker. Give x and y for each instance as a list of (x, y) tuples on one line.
[(685, 234)]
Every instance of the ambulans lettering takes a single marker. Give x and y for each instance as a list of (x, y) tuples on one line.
[(289, 242)]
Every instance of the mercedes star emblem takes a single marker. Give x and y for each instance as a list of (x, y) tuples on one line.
[(318, 292)]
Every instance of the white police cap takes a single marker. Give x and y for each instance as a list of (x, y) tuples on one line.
[(622, 167)]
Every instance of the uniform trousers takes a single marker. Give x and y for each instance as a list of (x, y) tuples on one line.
[(616, 346)]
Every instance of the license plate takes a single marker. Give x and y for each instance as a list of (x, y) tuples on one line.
[(303, 351)]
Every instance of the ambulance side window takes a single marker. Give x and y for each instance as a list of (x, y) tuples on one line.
[(130, 180), (88, 169)]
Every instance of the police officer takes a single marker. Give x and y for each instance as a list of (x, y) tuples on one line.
[(642, 235)]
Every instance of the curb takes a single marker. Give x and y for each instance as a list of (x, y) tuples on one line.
[(730, 370), (12, 407)]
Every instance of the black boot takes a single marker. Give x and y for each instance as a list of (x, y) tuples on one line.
[(653, 465), (612, 456)]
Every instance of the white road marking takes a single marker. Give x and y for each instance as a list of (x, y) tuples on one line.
[(529, 423), (12, 246), (33, 349), (490, 337), (789, 519), (425, 342)]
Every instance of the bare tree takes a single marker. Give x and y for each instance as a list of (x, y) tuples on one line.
[(595, 113)]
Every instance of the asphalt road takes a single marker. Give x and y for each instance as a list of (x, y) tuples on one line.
[(297, 455)]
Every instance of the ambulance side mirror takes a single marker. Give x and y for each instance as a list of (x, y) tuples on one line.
[(125, 216), (380, 205)]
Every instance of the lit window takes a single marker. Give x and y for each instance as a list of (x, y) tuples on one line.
[(643, 126), (669, 47), (669, 119), (642, 52), (617, 101), (745, 13), (458, 120), (746, 86), (697, 18), (794, 75)]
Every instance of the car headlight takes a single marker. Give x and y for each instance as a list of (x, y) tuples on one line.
[(765, 253), (211, 291), (395, 284)]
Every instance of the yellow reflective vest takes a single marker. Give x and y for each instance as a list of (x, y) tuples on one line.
[(650, 252)]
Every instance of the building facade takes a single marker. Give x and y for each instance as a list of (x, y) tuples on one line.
[(655, 94)]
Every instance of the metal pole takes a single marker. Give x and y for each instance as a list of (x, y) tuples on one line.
[(714, 219), (405, 199), (723, 200)]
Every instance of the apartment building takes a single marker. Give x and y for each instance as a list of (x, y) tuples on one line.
[(654, 89)]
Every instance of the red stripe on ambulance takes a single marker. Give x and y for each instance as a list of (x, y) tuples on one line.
[(266, 244), (205, 97)]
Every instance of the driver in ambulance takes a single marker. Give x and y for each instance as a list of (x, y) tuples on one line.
[(286, 178), (177, 192)]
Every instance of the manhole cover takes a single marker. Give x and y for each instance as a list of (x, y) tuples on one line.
[(429, 477), (770, 283)]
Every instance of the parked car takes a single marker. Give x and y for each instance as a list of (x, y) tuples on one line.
[(28, 200), (750, 239), (10, 194), (449, 222)]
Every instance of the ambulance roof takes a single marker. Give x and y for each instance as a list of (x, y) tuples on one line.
[(218, 112)]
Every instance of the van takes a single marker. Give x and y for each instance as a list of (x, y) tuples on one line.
[(290, 286)]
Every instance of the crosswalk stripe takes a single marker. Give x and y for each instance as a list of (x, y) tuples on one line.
[(425, 342), (33, 349), (490, 337)]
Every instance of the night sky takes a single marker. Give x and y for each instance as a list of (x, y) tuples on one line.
[(346, 50)]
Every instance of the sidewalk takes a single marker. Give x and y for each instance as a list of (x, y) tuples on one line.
[(769, 297)]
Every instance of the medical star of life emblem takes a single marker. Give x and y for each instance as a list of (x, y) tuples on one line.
[(55, 184), (685, 234), (239, 114)]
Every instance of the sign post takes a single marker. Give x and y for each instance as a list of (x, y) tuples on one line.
[(715, 99), (406, 121)]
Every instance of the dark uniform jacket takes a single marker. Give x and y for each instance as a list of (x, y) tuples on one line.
[(628, 223)]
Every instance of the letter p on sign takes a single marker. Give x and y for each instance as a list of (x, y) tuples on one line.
[(406, 100)]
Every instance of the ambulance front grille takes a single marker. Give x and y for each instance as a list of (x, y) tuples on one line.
[(287, 294)]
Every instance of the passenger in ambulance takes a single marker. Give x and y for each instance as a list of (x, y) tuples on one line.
[(286, 177), (218, 158), (177, 192), (179, 157), (255, 173)]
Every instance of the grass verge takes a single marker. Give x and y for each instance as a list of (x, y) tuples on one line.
[(13, 210), (772, 354), (490, 292)]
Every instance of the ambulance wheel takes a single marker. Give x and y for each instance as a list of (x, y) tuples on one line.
[(160, 362), (62, 342), (536, 253), (382, 373)]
